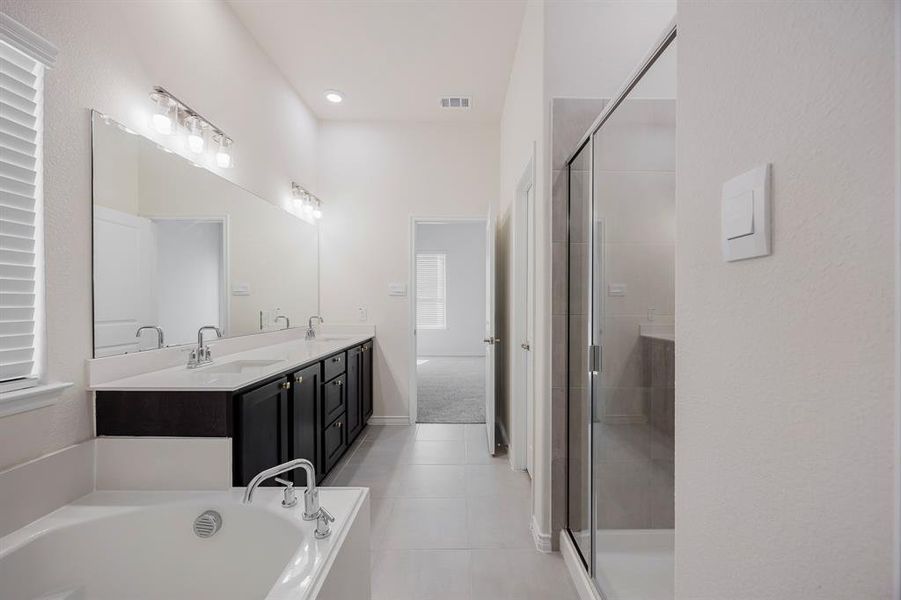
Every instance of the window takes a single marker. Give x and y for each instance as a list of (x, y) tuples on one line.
[(23, 58), (431, 291)]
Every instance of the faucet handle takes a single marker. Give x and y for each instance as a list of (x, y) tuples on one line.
[(290, 498), (322, 523)]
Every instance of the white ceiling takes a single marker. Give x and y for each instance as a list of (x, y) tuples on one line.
[(393, 60)]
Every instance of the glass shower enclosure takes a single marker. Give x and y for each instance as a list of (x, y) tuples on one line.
[(621, 342)]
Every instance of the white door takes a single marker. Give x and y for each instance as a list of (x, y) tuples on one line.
[(526, 347), (124, 271), (490, 339)]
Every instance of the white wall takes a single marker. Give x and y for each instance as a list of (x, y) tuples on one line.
[(464, 247), (785, 365), (377, 176), (111, 54)]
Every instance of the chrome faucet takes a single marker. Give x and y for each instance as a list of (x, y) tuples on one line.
[(311, 333), (287, 321), (201, 355), (311, 508), (159, 333)]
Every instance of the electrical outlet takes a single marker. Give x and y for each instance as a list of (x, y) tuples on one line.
[(362, 313)]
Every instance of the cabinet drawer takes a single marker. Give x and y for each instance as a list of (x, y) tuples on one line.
[(332, 399), (334, 365), (333, 442)]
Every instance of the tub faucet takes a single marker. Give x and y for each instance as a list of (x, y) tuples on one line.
[(201, 355), (311, 510), (311, 333), (159, 333)]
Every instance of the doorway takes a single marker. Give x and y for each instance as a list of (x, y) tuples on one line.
[(449, 299)]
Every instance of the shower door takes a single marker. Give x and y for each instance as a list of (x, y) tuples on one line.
[(621, 338)]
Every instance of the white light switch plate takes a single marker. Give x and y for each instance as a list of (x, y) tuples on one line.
[(746, 211), (397, 289)]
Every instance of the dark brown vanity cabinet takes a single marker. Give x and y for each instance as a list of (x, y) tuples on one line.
[(314, 412)]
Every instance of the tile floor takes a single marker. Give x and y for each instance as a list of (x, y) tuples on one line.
[(449, 521)]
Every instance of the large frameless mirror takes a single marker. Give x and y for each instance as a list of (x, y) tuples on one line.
[(177, 247)]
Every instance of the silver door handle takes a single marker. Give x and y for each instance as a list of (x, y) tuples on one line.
[(525, 346), (491, 340)]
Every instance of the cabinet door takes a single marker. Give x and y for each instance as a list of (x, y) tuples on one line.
[(354, 405), (366, 380), (303, 434), (260, 438), (334, 443)]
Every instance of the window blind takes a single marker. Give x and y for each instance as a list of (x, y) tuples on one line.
[(20, 107), (431, 291)]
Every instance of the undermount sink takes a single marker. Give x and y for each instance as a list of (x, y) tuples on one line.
[(240, 366), (331, 338)]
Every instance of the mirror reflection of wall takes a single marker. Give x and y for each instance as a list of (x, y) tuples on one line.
[(178, 247)]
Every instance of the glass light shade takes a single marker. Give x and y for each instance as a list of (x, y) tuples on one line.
[(317, 213), (195, 136), (223, 154), (164, 115)]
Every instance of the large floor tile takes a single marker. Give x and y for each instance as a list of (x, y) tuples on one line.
[(436, 523), (420, 575), (439, 431), (519, 575), (499, 522), (426, 481), (434, 452), (496, 480)]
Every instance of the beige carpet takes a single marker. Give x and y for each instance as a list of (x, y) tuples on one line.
[(451, 389)]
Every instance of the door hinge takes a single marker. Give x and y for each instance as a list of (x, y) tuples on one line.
[(595, 359)]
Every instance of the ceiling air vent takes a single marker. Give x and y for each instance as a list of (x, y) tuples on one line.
[(456, 102)]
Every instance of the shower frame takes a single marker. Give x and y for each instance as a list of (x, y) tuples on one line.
[(661, 45)]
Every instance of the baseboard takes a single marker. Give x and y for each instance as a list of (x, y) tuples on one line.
[(542, 540), (389, 420), (584, 587)]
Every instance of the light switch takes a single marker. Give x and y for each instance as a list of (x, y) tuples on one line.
[(738, 215), (745, 215), (397, 289)]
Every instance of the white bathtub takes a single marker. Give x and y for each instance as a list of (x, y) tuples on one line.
[(141, 546)]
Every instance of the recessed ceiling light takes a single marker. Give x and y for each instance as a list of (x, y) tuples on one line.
[(334, 96)]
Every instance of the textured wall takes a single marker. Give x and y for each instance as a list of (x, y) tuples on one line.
[(111, 54), (377, 176), (784, 364)]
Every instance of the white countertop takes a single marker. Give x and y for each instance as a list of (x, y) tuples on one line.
[(210, 378)]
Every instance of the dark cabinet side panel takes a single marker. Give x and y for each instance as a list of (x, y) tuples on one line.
[(182, 414), (366, 378)]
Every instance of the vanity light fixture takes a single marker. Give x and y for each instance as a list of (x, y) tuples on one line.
[(174, 116), (334, 96), (305, 201)]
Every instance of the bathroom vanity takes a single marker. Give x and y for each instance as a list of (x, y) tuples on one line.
[(296, 399)]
